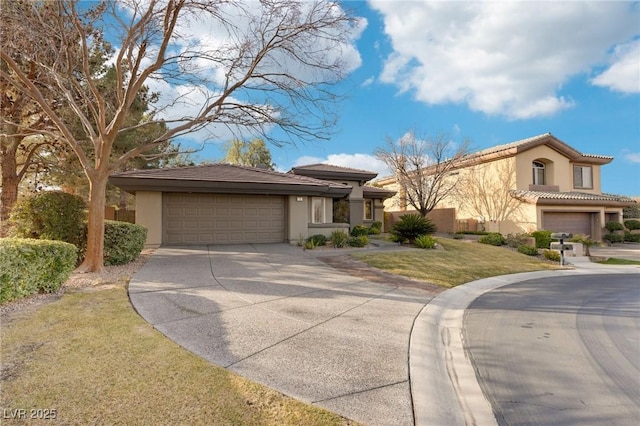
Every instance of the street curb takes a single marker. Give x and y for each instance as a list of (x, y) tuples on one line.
[(444, 386)]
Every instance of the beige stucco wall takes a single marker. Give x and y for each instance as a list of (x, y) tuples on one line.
[(149, 215), (559, 170), (298, 217)]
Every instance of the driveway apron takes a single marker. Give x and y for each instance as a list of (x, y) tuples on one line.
[(278, 316)]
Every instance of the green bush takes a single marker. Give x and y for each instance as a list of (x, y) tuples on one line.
[(377, 225), (359, 230), (632, 224), (318, 240), (473, 232), (586, 242), (551, 255), (308, 245), (543, 238), (613, 238), (528, 250), (28, 266), (614, 226), (339, 239), (426, 242), (50, 215), (373, 231), (123, 242), (411, 226), (494, 239), (359, 241), (631, 238)]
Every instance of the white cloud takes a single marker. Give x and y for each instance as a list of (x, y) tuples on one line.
[(501, 58), (355, 161), (624, 73), (368, 82), (634, 157)]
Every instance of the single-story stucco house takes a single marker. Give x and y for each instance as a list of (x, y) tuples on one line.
[(540, 182), (233, 204)]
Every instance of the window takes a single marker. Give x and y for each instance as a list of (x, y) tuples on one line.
[(538, 173), (582, 177), (317, 210), (368, 209)]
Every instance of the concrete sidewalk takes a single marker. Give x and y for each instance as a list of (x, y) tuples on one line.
[(277, 315)]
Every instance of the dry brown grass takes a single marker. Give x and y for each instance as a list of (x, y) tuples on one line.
[(457, 262), (90, 357)]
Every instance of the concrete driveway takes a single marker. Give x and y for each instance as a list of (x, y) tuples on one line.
[(630, 251), (279, 316)]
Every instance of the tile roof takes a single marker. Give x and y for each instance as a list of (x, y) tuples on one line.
[(329, 171), (375, 192), (331, 168), (578, 196)]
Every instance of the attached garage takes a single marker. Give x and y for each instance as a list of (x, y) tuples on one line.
[(573, 222), (222, 219)]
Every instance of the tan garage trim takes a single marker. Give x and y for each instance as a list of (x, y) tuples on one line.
[(573, 222), (222, 219)]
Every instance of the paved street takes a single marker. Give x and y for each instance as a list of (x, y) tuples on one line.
[(562, 350)]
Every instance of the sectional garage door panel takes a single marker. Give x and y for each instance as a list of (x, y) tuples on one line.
[(222, 219), (575, 223)]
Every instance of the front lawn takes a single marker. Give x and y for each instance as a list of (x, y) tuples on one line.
[(616, 261), (458, 262), (88, 358)]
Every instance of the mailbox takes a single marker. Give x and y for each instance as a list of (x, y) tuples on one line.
[(561, 235)]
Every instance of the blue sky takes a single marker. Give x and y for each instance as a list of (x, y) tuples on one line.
[(493, 73)]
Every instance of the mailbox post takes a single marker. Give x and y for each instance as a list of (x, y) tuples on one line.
[(561, 236)]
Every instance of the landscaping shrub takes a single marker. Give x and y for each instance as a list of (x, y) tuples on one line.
[(28, 266), (425, 242), (339, 239), (494, 239), (359, 230), (614, 226), (308, 245), (123, 242), (632, 224), (613, 238), (373, 231), (473, 232), (517, 240), (528, 250), (51, 215), (318, 240), (631, 238), (543, 238), (551, 255), (585, 240), (359, 241), (377, 225), (411, 226)]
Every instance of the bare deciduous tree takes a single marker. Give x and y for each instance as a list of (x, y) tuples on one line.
[(424, 168), (486, 191), (219, 64)]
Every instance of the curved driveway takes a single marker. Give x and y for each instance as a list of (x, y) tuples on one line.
[(279, 316)]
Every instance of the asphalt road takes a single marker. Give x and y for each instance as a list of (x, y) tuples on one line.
[(562, 351)]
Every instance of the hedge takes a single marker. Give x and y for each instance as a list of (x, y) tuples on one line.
[(543, 238), (632, 224), (123, 242), (494, 239), (29, 266)]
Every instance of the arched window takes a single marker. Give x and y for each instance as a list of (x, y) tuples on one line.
[(538, 173)]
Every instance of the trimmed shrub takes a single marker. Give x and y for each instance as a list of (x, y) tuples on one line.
[(528, 250), (377, 225), (359, 241), (494, 239), (359, 230), (50, 215), (318, 240), (632, 224), (551, 255), (517, 240), (373, 231), (123, 242), (339, 239), (543, 238), (426, 242), (631, 238), (411, 226), (614, 226), (613, 238), (29, 266)]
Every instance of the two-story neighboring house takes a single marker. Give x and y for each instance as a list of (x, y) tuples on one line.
[(535, 183)]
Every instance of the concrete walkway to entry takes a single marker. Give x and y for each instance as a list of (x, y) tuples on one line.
[(279, 316)]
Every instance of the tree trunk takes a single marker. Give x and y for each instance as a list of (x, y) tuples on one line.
[(10, 183), (93, 260)]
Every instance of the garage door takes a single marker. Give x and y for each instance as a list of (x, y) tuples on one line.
[(575, 223), (222, 219)]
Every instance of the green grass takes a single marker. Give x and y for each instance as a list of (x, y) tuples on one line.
[(460, 262), (90, 357), (616, 261)]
